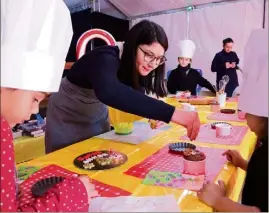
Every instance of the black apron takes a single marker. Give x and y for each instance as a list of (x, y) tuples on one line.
[(73, 115)]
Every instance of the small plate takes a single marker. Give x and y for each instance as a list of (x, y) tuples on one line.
[(100, 160), (179, 148), (227, 111), (213, 125)]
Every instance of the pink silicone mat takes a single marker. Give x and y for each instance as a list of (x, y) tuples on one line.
[(208, 135), (163, 160), (53, 170), (232, 99), (174, 180), (218, 116)]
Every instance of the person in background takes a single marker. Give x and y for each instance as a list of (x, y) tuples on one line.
[(35, 36), (105, 77), (225, 63), (184, 77), (254, 101)]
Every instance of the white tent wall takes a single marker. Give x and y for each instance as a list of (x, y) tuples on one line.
[(208, 27)]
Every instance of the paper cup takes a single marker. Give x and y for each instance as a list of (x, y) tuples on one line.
[(223, 130), (221, 98)]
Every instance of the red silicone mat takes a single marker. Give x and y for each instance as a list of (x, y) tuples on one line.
[(218, 116), (163, 160), (54, 170)]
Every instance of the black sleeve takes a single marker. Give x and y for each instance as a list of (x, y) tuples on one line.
[(112, 92), (217, 64), (205, 83), (236, 60), (214, 64), (172, 83), (255, 191)]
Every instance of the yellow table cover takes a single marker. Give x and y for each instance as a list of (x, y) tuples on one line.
[(187, 200)]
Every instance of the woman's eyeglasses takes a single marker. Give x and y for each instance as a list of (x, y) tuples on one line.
[(150, 57)]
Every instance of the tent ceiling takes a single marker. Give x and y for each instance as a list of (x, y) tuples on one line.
[(134, 8)]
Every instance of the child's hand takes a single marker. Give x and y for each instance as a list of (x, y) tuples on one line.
[(211, 193), (20, 193), (91, 192), (156, 124), (235, 158)]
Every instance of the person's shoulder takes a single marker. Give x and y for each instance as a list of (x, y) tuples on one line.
[(174, 70), (219, 53), (105, 51), (194, 70), (4, 124), (234, 53), (6, 131), (99, 55)]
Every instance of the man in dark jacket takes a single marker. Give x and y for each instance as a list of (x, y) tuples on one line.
[(225, 63)]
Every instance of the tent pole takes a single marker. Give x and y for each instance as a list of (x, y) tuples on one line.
[(188, 24), (180, 9), (116, 8), (264, 11)]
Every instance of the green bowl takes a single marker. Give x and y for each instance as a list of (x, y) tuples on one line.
[(124, 128)]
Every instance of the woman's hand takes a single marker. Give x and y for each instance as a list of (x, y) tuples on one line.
[(156, 124), (236, 159), (211, 193), (190, 120), (91, 192)]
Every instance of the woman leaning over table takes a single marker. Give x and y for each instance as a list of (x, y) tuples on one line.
[(108, 76)]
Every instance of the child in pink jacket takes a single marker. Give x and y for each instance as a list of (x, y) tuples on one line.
[(35, 37)]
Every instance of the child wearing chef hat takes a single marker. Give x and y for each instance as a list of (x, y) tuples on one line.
[(185, 78), (254, 101), (35, 37)]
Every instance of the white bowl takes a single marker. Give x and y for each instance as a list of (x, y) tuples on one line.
[(223, 130)]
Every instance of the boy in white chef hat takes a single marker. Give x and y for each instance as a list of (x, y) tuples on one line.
[(185, 78), (254, 101), (186, 51), (35, 37)]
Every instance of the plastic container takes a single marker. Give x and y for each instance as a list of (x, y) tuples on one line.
[(124, 128)]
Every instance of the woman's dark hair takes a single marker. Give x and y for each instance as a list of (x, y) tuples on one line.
[(227, 40), (144, 32)]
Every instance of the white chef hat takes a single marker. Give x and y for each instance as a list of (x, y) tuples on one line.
[(186, 48), (253, 98), (35, 38)]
